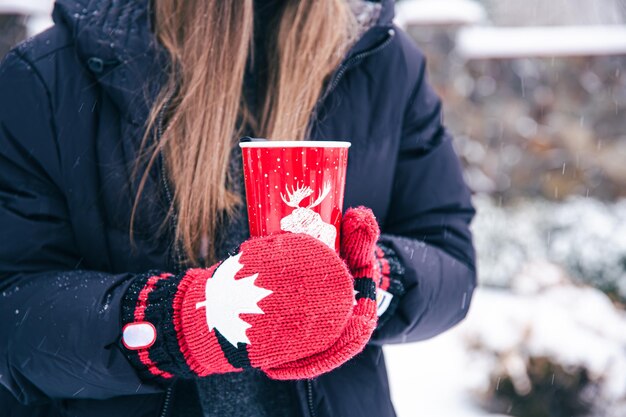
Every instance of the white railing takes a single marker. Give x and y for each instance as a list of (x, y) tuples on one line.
[(554, 41), (436, 12), (26, 7)]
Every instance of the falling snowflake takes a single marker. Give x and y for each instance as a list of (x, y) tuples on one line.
[(227, 298)]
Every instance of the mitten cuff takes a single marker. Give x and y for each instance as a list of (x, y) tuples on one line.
[(390, 288), (149, 302)]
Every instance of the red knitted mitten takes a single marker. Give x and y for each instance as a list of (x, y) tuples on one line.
[(359, 233), (282, 299)]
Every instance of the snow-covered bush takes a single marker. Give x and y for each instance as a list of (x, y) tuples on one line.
[(546, 346), (506, 239), (585, 237), (588, 238), (555, 352), (555, 391)]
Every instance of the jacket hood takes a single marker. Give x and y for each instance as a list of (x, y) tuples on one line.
[(116, 28), (114, 40)]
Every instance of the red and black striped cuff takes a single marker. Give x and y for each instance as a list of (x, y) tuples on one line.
[(365, 287), (149, 300), (392, 273)]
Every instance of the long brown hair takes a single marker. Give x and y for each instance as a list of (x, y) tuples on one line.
[(209, 42)]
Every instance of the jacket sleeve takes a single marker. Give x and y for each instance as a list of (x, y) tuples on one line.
[(60, 326), (428, 224)]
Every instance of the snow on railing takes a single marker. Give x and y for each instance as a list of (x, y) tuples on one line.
[(554, 41), (38, 12), (438, 12), (26, 7)]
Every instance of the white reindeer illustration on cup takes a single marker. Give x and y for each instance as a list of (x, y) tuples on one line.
[(305, 220)]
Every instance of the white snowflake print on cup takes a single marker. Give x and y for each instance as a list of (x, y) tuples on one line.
[(305, 220)]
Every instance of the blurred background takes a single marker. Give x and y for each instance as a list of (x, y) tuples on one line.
[(535, 95)]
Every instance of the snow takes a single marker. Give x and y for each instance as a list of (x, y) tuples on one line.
[(26, 7), (38, 11), (430, 378), (506, 239), (583, 236), (572, 325), (512, 42), (589, 237), (428, 12), (542, 268), (38, 23), (549, 13)]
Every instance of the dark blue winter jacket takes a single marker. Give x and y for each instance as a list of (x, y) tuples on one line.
[(73, 106)]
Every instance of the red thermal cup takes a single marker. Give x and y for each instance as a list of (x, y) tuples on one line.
[(295, 186)]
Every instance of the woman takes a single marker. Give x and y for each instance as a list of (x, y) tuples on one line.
[(119, 176)]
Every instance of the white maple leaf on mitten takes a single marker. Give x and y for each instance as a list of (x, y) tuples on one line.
[(227, 298)]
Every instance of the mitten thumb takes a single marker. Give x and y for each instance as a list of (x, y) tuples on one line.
[(359, 234)]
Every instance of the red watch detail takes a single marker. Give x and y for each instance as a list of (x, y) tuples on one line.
[(140, 310), (131, 337)]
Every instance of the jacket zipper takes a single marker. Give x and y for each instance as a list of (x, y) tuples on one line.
[(166, 402), (338, 76), (165, 182), (358, 57), (309, 393), (170, 199)]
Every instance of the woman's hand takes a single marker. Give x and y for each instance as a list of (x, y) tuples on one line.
[(285, 304)]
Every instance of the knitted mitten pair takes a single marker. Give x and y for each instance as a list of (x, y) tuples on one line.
[(285, 304)]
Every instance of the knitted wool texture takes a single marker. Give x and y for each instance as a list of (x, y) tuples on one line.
[(359, 233), (308, 324), (306, 312)]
